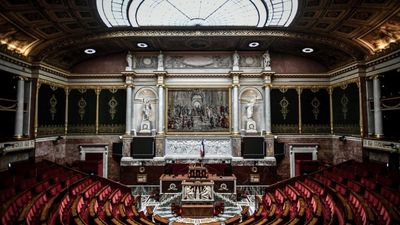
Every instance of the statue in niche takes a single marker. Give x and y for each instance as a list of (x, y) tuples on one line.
[(146, 109), (250, 108), (266, 61), (145, 126), (160, 65), (250, 123), (236, 59), (129, 61)]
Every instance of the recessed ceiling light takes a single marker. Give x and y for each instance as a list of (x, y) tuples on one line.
[(142, 45), (307, 50), (254, 44), (90, 51)]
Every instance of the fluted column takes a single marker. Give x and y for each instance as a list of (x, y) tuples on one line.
[(377, 107), (267, 102), (128, 121), (161, 107), (19, 116), (235, 102)]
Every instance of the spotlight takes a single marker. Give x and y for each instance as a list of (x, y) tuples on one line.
[(254, 44), (142, 45), (342, 138), (307, 50), (89, 51)]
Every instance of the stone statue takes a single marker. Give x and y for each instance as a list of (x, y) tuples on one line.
[(160, 65), (236, 58), (146, 109), (206, 193), (250, 108), (250, 123), (266, 61), (129, 61), (189, 192)]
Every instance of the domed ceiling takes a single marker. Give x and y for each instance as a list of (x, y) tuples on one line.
[(58, 31)]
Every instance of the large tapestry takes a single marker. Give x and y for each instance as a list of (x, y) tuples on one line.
[(198, 110)]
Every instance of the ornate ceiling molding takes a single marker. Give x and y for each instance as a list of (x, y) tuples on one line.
[(54, 46)]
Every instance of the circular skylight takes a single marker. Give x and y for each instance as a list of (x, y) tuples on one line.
[(252, 13)]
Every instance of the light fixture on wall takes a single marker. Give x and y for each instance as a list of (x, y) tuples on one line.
[(90, 51), (307, 50)]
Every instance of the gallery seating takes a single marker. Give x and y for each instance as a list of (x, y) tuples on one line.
[(47, 193)]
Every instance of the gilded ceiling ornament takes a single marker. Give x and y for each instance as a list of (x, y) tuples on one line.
[(315, 103), (344, 86), (82, 107), (113, 103), (284, 103), (53, 87), (53, 103), (82, 90), (344, 101)]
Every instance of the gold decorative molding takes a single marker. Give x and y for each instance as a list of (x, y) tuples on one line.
[(97, 91), (53, 104), (330, 92), (299, 91)]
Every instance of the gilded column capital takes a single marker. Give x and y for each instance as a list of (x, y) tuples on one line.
[(97, 91), (67, 90), (299, 90)]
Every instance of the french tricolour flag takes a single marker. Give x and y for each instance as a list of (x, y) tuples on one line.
[(202, 152)]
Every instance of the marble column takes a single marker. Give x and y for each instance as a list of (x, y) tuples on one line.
[(133, 122), (377, 107), (160, 109), (19, 116), (267, 103), (235, 109), (370, 116), (128, 121)]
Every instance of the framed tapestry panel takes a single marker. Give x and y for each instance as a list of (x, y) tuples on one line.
[(191, 110)]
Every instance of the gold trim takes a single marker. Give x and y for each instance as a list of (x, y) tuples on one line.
[(346, 82), (97, 91), (299, 90), (360, 106), (67, 91), (330, 91), (38, 84)]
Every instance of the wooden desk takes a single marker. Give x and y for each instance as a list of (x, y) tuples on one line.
[(197, 211)]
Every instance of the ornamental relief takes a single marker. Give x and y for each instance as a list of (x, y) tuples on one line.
[(53, 104), (192, 147), (284, 103), (315, 103), (112, 104)]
